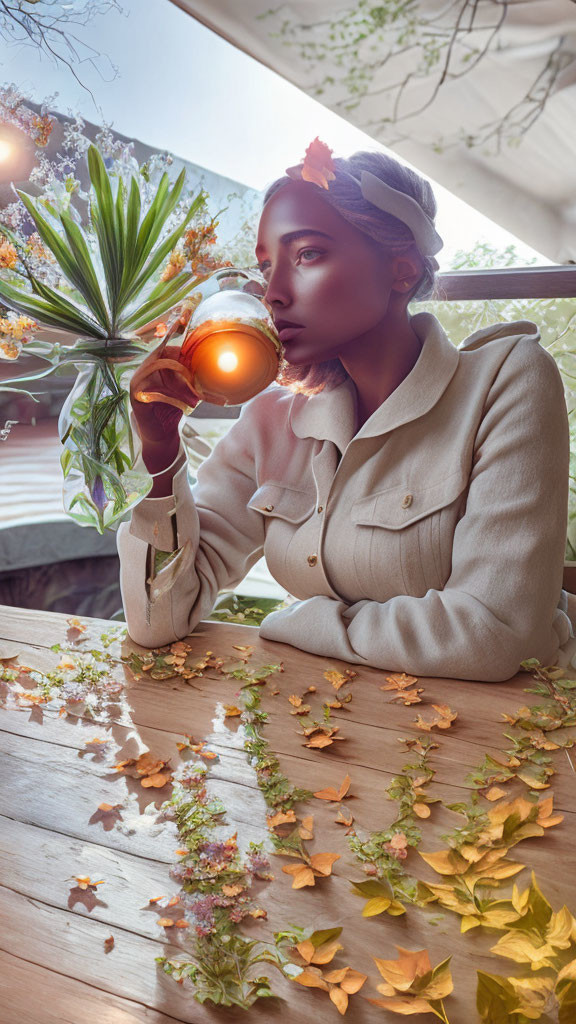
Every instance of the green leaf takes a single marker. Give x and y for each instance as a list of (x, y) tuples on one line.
[(78, 274), (151, 224), (68, 308), (104, 221), (46, 312), (374, 887), (164, 249), (324, 935), (90, 288), (494, 995), (173, 293), (19, 391), (129, 270)]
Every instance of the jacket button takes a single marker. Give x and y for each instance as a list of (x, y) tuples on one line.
[(312, 559), (320, 508), (406, 501), (269, 508)]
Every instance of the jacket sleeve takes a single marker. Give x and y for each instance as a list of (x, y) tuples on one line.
[(499, 605), (213, 537)]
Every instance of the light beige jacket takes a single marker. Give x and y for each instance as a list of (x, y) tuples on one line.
[(431, 541)]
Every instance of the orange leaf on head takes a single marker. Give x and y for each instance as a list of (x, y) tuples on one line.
[(317, 166)]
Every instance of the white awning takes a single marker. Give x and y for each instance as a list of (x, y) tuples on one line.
[(526, 179)]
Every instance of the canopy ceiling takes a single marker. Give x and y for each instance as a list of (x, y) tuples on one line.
[(498, 128)]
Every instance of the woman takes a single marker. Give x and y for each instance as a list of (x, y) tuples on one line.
[(412, 496)]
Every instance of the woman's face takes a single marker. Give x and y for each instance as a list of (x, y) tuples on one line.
[(328, 283)]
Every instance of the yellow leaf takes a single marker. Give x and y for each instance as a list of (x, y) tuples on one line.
[(378, 905), (404, 1005), (445, 862)]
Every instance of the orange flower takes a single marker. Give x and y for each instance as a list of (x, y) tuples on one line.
[(8, 254), (176, 261)]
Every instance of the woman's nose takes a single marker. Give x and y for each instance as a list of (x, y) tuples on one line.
[(277, 288)]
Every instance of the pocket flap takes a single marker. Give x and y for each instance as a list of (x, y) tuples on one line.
[(279, 502), (404, 504)]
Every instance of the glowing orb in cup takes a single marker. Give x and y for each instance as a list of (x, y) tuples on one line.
[(230, 350), (230, 360)]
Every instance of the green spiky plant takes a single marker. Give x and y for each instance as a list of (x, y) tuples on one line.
[(109, 267)]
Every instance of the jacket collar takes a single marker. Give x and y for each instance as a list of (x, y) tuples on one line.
[(331, 415)]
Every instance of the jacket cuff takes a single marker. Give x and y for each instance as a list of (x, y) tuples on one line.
[(153, 519)]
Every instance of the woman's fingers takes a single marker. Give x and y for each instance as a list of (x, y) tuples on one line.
[(164, 380)]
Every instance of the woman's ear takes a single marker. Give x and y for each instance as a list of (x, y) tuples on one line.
[(406, 272)]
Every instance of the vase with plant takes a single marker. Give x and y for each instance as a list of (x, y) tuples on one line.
[(108, 259)]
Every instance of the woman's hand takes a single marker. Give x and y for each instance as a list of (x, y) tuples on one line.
[(158, 417)]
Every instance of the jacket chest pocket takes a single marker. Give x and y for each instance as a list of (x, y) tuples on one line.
[(406, 532), (275, 501), (285, 511)]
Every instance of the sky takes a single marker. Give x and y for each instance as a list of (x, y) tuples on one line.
[(180, 87)]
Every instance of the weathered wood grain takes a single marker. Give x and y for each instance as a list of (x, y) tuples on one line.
[(52, 785), (35, 995)]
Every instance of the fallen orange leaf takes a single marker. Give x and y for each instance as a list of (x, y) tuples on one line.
[(157, 781), (85, 882), (320, 865), (109, 944), (233, 890), (231, 711), (399, 681), (422, 810), (338, 679), (344, 818), (281, 818), (443, 720), (334, 794), (494, 793), (306, 827)]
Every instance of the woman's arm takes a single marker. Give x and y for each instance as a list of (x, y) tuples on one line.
[(214, 542), (499, 605)]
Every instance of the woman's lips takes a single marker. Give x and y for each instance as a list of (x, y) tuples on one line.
[(287, 333)]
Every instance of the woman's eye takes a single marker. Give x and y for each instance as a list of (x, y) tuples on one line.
[(307, 255)]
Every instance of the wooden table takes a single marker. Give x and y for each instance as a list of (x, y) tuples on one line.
[(53, 964)]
